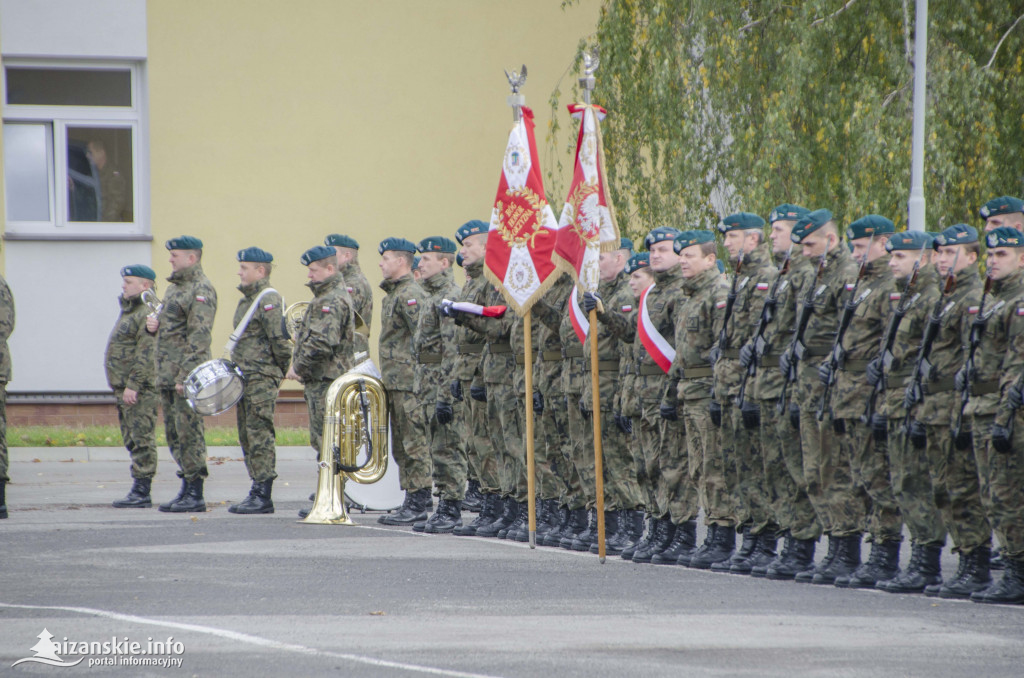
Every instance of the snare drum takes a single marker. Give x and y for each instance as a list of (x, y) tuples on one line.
[(214, 386)]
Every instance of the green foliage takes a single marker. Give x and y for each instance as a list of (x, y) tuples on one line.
[(110, 436), (719, 107)]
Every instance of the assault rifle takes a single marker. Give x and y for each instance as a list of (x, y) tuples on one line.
[(730, 303), (796, 349), (767, 313), (960, 438)]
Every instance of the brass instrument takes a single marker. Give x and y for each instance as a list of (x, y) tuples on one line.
[(355, 421), (293, 316), (150, 299)]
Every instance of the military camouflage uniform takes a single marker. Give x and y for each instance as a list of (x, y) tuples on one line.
[(909, 466), (6, 327), (868, 458), (113, 190), (182, 344), (358, 288), (518, 342), (129, 364), (400, 314), (785, 483), (435, 343), (698, 320), (324, 348), (263, 354), (741, 447), (999, 361), (466, 366), (954, 473)]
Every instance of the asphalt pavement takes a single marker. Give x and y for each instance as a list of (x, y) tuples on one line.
[(218, 594)]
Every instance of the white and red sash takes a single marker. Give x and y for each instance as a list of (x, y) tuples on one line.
[(657, 346), (580, 322)]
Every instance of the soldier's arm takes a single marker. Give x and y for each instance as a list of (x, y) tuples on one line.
[(1013, 359), (6, 311), (271, 318), (324, 333), (198, 329), (547, 314), (449, 351), (143, 370)]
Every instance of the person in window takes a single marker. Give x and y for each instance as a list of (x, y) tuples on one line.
[(113, 190)]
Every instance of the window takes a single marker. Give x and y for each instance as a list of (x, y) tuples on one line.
[(71, 138)]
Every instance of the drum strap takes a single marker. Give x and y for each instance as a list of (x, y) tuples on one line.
[(240, 330)]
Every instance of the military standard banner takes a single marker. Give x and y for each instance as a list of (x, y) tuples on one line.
[(518, 259)]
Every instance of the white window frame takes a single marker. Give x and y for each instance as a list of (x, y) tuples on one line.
[(61, 118)]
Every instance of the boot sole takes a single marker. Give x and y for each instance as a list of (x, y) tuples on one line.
[(148, 504), (191, 509), (251, 513)]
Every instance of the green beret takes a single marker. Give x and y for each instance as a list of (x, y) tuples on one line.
[(459, 259), (336, 240), (625, 244), (741, 221), (255, 255), (1004, 236), (689, 238), (1002, 205), (437, 243), (638, 261), (396, 244), (909, 240), (957, 234), (872, 224), (185, 242), (139, 271), (809, 223), (659, 234), (316, 254), (415, 263), (787, 212), (474, 227)]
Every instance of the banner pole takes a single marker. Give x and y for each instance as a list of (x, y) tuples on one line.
[(531, 480), (595, 385)]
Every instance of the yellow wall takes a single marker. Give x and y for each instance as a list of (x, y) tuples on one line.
[(274, 123)]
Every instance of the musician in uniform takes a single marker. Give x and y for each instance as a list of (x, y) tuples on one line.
[(183, 333), (263, 354), (131, 374), (324, 343), (6, 327), (358, 287)]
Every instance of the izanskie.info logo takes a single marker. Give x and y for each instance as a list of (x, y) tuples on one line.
[(114, 652)]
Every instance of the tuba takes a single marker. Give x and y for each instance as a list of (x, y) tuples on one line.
[(355, 425), (293, 316)]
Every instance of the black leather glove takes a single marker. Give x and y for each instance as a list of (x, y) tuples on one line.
[(879, 427), (538, 402), (590, 300), (456, 389), (478, 393), (964, 439), (785, 366), (1001, 439), (584, 405), (912, 395), (747, 355), (624, 423), (443, 413), (918, 435), (751, 414), (669, 410), (874, 371), (961, 378), (1014, 397), (839, 426), (794, 416), (446, 310), (715, 410), (825, 373), (714, 354)]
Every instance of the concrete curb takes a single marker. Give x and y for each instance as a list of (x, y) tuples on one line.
[(304, 453)]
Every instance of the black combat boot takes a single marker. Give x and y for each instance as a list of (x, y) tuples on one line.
[(3, 499), (519, 530), (550, 518), (518, 515), (446, 518), (588, 536), (845, 563), (664, 533), (997, 561), (413, 509), (474, 500), (719, 545), (973, 575), (138, 496), (612, 533), (798, 556), (764, 554), (258, 500), (554, 536), (883, 565), (636, 520), (923, 570), (761, 570), (684, 543), (740, 557), (807, 576), (192, 502), (166, 506), (576, 525), (509, 513), (488, 514), (1007, 591), (644, 540)]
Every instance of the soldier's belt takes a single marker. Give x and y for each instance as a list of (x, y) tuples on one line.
[(770, 360), (551, 355), (521, 358), (732, 353), (855, 365), (816, 351), (471, 348), (500, 348), (428, 358), (572, 352), (607, 365), (980, 388), (697, 372), (649, 370), (938, 386), (898, 379)]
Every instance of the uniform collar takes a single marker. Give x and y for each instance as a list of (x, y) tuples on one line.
[(439, 281), (325, 285), (666, 277), (186, 274), (390, 285), (254, 288)]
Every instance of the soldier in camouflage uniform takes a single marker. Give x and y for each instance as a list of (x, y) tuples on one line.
[(6, 327), (113, 188), (131, 374), (435, 346), (908, 464), (827, 472), (356, 284), (1003, 211), (954, 472), (263, 355), (995, 407), (183, 333), (324, 343), (400, 316), (864, 444), (741, 445)]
